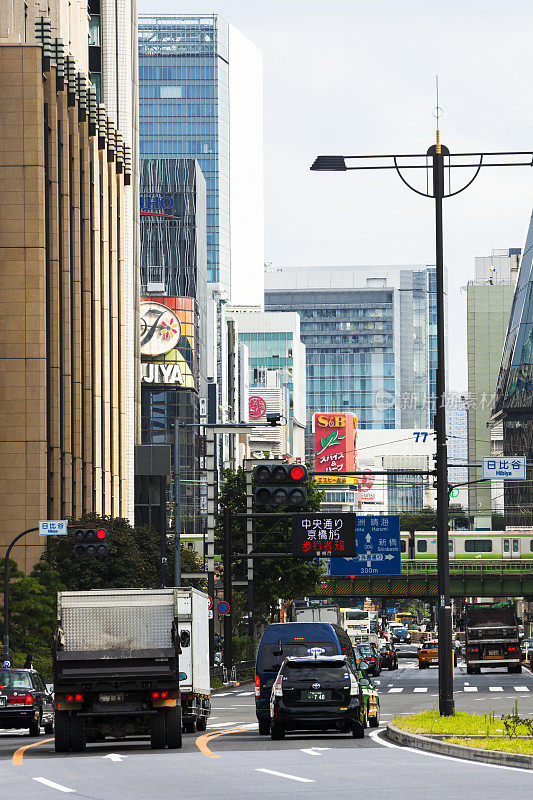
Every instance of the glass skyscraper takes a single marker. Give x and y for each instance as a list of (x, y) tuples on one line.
[(195, 73), (370, 337)]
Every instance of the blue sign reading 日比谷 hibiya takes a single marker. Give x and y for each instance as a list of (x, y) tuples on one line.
[(378, 547)]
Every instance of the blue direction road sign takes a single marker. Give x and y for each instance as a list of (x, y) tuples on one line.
[(53, 527), (378, 547)]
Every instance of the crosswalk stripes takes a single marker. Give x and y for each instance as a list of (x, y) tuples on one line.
[(420, 689), (466, 688), (495, 688), (245, 694), (470, 688), (521, 688), (396, 690)]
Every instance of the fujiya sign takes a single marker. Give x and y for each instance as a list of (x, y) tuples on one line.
[(162, 373)]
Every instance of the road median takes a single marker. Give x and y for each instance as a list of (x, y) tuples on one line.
[(436, 744)]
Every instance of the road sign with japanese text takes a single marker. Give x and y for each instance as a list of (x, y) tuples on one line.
[(53, 527), (323, 535), (505, 467), (378, 548)]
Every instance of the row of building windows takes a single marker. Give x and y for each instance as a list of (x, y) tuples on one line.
[(346, 313), (182, 147), (175, 108), (193, 72), (359, 338), (186, 91), (307, 327)]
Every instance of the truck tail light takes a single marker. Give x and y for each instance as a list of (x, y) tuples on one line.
[(278, 688), (473, 649), (354, 686), (257, 686), (165, 695), (28, 699), (155, 695), (511, 649)]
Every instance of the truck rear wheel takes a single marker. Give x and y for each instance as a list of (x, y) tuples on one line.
[(157, 731), (78, 738), (62, 732), (514, 668), (190, 726), (173, 728), (201, 723)]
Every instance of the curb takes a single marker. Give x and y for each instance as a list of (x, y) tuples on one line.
[(457, 750), (232, 686)]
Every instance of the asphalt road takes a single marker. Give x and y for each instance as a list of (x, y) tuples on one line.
[(232, 762)]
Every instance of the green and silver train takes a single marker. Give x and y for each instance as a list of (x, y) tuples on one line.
[(469, 544)]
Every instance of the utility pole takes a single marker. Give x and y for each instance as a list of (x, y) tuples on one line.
[(177, 496), (228, 648), (6, 588)]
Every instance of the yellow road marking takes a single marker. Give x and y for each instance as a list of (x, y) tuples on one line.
[(18, 755), (202, 743)]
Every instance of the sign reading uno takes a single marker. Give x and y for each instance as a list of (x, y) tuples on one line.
[(153, 202)]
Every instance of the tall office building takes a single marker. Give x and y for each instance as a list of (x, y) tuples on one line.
[(489, 298), (370, 339), (173, 321), (200, 86), (276, 364), (65, 175), (514, 392)]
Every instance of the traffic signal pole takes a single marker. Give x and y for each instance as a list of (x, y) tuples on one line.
[(228, 645), (6, 589)]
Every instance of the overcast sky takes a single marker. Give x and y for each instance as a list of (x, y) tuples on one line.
[(358, 76)]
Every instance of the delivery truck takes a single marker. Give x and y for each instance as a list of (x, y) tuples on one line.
[(116, 665), (193, 619), (318, 614), (492, 637)]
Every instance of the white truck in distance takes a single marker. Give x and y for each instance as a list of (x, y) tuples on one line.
[(318, 614)]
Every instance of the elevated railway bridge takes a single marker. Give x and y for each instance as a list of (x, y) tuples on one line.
[(475, 577)]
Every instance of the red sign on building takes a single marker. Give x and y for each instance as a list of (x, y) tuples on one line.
[(256, 407), (335, 446)]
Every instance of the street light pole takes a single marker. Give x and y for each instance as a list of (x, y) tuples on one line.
[(177, 503), (6, 589), (441, 161)]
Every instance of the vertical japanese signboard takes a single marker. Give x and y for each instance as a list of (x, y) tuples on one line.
[(323, 535), (335, 447)]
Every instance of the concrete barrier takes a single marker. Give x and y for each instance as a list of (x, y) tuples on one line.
[(432, 745)]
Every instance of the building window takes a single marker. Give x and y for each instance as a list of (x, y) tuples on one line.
[(94, 31)]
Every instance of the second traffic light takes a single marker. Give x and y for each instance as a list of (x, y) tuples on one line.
[(282, 485), (91, 542)]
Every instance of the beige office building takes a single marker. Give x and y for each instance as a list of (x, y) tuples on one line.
[(65, 172)]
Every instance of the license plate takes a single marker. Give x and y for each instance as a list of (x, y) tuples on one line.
[(493, 653), (115, 697), (3, 702), (316, 695)]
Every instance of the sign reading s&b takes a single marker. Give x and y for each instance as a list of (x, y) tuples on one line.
[(323, 535)]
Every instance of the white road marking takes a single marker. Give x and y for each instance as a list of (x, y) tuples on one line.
[(521, 688), (313, 751), (53, 785), (223, 724), (375, 736), (221, 694), (470, 689), (283, 775), (420, 689), (396, 691), (245, 694), (114, 757), (495, 688)]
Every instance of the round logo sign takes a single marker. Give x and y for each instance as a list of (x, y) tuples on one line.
[(160, 329), (367, 481), (256, 407)]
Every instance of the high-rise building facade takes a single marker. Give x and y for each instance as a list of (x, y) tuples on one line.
[(514, 392), (65, 174), (370, 337), (276, 362), (489, 298), (173, 320), (200, 86)]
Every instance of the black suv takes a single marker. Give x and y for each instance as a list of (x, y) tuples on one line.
[(388, 656), (25, 702), (317, 694)]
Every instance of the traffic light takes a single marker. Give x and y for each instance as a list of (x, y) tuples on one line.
[(91, 542), (282, 485)]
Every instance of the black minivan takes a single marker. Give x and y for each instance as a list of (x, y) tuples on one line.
[(283, 639)]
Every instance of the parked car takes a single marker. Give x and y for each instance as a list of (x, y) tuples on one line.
[(370, 655), (388, 656), (25, 702), (317, 693), (401, 635), (526, 647), (370, 697)]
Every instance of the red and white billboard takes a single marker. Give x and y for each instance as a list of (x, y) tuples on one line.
[(335, 447)]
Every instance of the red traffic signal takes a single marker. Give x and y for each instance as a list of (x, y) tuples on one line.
[(90, 542), (281, 485)]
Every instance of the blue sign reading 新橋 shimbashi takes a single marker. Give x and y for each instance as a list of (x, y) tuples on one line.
[(378, 547)]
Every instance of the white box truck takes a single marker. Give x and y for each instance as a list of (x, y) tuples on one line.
[(318, 614), (193, 619)]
